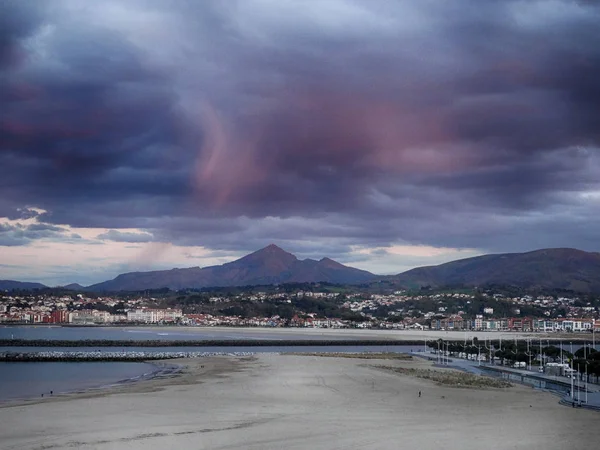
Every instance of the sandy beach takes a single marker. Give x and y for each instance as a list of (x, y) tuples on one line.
[(273, 401)]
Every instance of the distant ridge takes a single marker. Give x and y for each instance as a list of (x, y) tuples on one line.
[(11, 285), (74, 287), (270, 265), (554, 268)]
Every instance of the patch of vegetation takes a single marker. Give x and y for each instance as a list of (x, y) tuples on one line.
[(450, 378)]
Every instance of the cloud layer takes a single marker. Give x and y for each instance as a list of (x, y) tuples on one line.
[(325, 126)]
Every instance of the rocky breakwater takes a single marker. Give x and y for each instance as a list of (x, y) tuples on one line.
[(58, 356)]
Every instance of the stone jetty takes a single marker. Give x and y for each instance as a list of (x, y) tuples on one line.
[(108, 356)]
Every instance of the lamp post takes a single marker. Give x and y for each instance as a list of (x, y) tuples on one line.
[(578, 385), (586, 383), (572, 384), (515, 352), (490, 350), (443, 353), (561, 355)]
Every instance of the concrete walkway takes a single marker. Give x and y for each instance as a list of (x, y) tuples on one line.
[(593, 397)]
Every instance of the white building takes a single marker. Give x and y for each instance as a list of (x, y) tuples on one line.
[(154, 315)]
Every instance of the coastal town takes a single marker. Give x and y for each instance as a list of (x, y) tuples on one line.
[(400, 310)]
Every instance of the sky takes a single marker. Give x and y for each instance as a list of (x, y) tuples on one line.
[(151, 134)]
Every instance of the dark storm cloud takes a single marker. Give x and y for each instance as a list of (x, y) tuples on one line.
[(120, 236), (19, 234), (86, 120), (324, 125), (18, 20)]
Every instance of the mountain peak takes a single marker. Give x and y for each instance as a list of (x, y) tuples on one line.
[(329, 262), (271, 254), (272, 250)]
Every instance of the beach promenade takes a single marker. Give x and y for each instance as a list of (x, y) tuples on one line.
[(273, 401), (532, 378)]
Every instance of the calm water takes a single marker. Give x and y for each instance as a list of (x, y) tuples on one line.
[(28, 380), (166, 333)]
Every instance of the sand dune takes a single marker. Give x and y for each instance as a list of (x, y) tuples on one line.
[(298, 402)]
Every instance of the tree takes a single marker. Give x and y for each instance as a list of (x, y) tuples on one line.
[(552, 352), (594, 369), (583, 351)]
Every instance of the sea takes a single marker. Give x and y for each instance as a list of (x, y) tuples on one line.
[(25, 380), (57, 332), (32, 379)]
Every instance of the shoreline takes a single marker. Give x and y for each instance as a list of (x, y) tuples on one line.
[(161, 371), (165, 375)]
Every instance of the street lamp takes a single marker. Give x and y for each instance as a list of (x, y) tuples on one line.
[(490, 349), (578, 386), (572, 382), (515, 352), (561, 355), (586, 382)]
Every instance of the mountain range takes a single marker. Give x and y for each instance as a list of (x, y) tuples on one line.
[(559, 268), (10, 285), (270, 265), (554, 268)]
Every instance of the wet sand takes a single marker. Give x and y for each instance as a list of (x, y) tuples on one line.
[(281, 401)]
